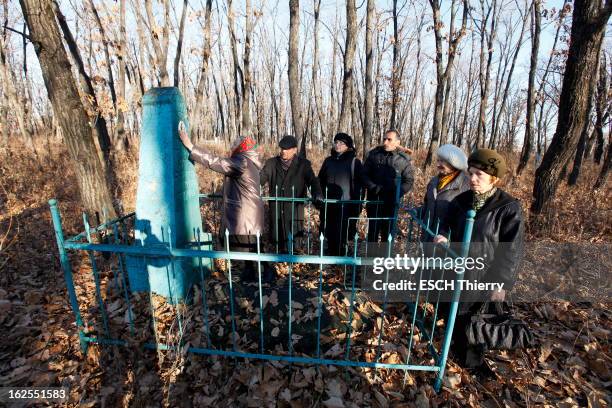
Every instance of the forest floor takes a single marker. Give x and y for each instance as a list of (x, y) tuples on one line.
[(39, 344)]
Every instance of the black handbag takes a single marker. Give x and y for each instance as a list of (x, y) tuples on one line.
[(498, 330)]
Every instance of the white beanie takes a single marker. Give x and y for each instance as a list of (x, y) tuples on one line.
[(453, 156)]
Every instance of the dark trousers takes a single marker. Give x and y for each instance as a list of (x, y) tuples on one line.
[(464, 354), (380, 228), (338, 228), (241, 243), (247, 269)]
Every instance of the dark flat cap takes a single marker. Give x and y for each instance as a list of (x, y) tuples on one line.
[(287, 142)]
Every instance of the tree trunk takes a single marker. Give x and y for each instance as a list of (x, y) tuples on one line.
[(179, 44), (294, 81), (395, 68), (496, 119), (67, 106), (572, 180), (121, 137), (588, 27), (369, 80), (602, 109), (160, 41), (487, 40), (443, 72), (103, 137), (531, 96), (349, 59), (315, 70), (109, 66), (246, 67), (201, 87), (605, 169)]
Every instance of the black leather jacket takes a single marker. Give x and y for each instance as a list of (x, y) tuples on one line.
[(497, 235), (382, 167)]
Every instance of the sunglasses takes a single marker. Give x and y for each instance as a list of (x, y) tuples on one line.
[(388, 139)]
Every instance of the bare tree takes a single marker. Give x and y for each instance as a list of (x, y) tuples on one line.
[(294, 81), (349, 60), (490, 13), (607, 164), (395, 75), (67, 106), (531, 102), (160, 39), (201, 87), (179, 45), (246, 66), (369, 80), (121, 106), (504, 97), (443, 72), (105, 41), (588, 27), (602, 108), (92, 105)]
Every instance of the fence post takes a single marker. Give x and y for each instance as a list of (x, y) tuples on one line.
[(398, 183), (465, 247), (65, 263)]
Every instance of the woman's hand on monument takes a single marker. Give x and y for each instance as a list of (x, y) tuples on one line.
[(184, 136)]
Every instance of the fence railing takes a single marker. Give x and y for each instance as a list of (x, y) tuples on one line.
[(314, 313)]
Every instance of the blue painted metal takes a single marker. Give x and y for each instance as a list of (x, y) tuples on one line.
[(167, 196), (65, 263), (174, 254), (465, 248)]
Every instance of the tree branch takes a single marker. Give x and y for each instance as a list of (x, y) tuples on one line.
[(24, 35)]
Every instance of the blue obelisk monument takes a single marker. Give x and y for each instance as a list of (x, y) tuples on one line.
[(167, 204)]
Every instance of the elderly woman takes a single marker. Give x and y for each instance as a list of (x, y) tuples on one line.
[(341, 176), (497, 236), (450, 181), (243, 209)]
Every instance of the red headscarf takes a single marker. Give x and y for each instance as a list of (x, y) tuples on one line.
[(244, 144)]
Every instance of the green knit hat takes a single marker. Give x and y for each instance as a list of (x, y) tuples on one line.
[(488, 161)]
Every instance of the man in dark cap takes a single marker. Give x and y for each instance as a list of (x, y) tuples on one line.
[(288, 175)]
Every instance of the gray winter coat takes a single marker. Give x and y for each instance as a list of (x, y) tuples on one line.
[(243, 209), (436, 202)]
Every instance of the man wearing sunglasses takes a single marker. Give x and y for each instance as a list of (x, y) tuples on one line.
[(382, 166)]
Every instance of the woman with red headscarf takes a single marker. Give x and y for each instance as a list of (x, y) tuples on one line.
[(243, 208)]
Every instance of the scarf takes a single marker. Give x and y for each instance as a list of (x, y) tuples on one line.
[(243, 144), (481, 198), (286, 163), (444, 180)]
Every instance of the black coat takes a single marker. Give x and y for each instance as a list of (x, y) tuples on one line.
[(300, 176), (342, 175), (343, 178), (382, 167), (497, 235)]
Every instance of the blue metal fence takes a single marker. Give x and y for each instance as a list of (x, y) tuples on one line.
[(107, 246)]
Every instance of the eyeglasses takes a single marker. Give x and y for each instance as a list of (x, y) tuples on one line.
[(388, 139)]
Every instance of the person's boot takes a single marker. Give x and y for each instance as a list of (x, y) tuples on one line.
[(269, 274), (248, 274)]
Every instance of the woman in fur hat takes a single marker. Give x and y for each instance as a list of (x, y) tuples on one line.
[(450, 181)]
